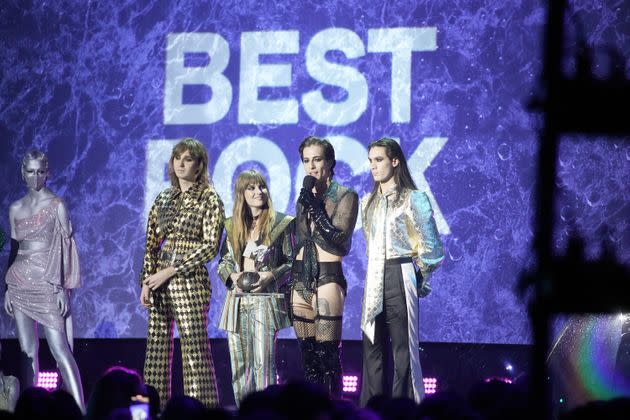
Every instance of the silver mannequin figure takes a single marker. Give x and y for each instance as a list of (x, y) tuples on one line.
[(45, 267)]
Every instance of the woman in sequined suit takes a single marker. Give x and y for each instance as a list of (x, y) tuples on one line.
[(325, 219), (43, 266), (400, 232), (183, 234), (258, 239)]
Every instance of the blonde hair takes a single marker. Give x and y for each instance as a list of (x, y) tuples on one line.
[(242, 216), (34, 154), (197, 152)]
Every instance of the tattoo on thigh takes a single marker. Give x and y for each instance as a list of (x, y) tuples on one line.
[(323, 307)]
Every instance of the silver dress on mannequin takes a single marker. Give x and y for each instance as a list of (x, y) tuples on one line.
[(35, 276), (34, 281)]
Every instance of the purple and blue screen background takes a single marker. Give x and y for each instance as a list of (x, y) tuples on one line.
[(86, 82)]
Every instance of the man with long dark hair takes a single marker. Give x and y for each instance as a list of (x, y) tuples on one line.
[(400, 233)]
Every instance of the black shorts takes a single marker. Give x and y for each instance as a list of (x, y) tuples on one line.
[(329, 272)]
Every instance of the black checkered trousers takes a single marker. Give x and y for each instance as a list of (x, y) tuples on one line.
[(183, 231)]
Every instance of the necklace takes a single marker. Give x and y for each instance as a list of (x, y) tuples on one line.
[(253, 230)]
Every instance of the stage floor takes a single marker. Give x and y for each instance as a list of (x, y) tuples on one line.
[(455, 366)]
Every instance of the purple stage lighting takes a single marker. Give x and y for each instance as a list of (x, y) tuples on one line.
[(350, 384), (48, 380), (430, 385)]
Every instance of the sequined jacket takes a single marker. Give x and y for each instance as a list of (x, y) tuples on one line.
[(410, 229), (186, 226), (277, 258)]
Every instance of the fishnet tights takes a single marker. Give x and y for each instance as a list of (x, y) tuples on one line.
[(322, 318)]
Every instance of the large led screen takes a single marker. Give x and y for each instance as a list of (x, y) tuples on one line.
[(107, 88)]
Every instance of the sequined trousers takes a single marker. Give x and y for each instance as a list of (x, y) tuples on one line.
[(185, 301), (252, 348)]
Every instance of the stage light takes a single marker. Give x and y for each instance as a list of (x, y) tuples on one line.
[(509, 367), (350, 384), (430, 385), (48, 380), (498, 378)]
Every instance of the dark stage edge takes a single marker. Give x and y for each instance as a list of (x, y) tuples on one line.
[(457, 366)]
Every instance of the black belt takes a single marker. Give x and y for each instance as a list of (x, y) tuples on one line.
[(333, 267), (398, 261)]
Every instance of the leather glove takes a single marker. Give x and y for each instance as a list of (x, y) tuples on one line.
[(307, 199), (325, 226)]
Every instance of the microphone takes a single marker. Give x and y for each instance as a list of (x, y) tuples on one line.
[(309, 182), (307, 190)]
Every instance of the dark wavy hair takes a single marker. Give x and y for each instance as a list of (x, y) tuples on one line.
[(402, 176), (329, 151)]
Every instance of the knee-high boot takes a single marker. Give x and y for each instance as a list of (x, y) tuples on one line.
[(330, 371), (309, 359)]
